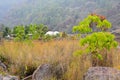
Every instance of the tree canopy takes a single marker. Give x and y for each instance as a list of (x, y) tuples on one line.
[(98, 39), (91, 22)]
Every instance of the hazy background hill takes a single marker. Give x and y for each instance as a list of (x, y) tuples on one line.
[(6, 5), (114, 16), (57, 14)]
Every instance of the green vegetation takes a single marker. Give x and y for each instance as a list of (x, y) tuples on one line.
[(28, 32), (19, 32), (6, 31), (95, 42), (90, 24)]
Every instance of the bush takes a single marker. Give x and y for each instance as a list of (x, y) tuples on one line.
[(96, 39)]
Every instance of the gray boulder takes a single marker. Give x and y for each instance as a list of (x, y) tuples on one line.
[(1, 77), (102, 73), (48, 72), (8, 77), (43, 72), (3, 66)]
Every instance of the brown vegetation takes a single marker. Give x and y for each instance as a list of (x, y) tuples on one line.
[(98, 15), (25, 57)]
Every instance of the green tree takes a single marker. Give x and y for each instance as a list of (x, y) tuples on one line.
[(41, 29), (92, 23), (19, 32), (37, 31), (6, 31), (97, 40), (33, 31), (26, 29), (29, 32)]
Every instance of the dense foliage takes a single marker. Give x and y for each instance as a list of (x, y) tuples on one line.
[(28, 32), (6, 31), (92, 22), (98, 40), (19, 32)]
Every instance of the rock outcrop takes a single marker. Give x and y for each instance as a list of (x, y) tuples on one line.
[(102, 73)]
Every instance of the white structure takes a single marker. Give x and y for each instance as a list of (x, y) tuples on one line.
[(52, 33), (56, 33), (8, 36)]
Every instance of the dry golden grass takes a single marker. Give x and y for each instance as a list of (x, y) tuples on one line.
[(35, 53)]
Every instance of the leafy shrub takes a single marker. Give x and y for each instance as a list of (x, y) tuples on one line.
[(89, 25), (95, 42)]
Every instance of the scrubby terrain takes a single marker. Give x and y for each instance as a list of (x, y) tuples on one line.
[(60, 40), (23, 58)]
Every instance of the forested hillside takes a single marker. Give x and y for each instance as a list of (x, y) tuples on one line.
[(6, 5), (114, 16), (57, 14)]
